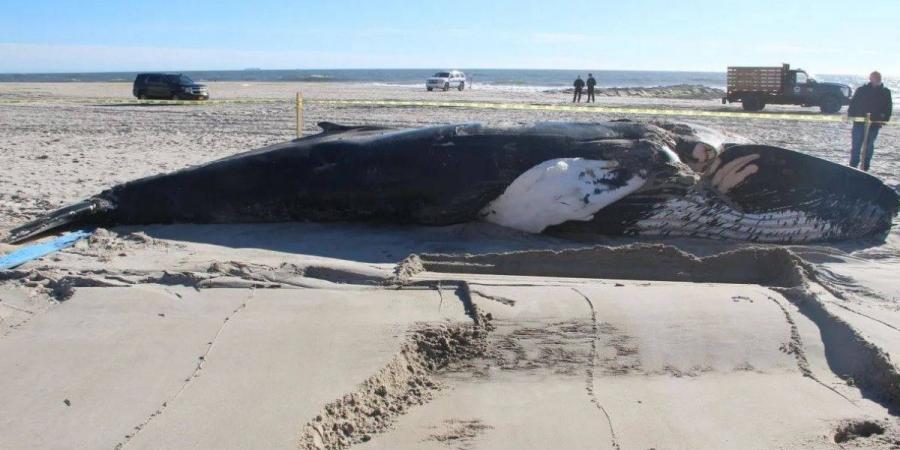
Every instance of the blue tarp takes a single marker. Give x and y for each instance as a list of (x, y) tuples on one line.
[(31, 252)]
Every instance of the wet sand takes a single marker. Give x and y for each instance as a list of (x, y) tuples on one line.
[(332, 335)]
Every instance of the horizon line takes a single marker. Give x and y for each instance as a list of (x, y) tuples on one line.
[(257, 69)]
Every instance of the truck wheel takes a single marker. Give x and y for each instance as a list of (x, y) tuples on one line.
[(462, 85), (830, 105), (753, 104), (446, 87)]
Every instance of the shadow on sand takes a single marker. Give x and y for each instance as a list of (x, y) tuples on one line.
[(391, 243), (357, 242)]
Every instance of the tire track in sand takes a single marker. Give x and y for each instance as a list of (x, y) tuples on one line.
[(591, 387), (795, 347), (187, 381)]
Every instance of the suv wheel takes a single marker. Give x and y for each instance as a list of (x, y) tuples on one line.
[(175, 97), (753, 104), (446, 87), (428, 89), (830, 105), (462, 85), (142, 96)]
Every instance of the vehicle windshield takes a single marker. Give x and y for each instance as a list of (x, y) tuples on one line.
[(442, 75), (186, 80)]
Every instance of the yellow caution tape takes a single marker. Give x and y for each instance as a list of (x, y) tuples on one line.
[(468, 105), (593, 110), (114, 102)]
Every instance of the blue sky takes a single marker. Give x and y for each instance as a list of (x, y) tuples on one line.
[(823, 36)]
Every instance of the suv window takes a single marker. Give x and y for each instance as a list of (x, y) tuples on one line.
[(801, 78), (442, 75), (154, 78)]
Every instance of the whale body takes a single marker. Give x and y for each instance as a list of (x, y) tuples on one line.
[(612, 178)]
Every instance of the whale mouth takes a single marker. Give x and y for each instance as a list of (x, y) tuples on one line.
[(768, 194), (751, 193)]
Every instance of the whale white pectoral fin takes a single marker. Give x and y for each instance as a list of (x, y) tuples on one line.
[(558, 191)]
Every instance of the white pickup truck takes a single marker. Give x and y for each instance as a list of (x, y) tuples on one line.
[(446, 80)]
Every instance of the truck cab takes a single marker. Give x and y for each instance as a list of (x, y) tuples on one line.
[(755, 87)]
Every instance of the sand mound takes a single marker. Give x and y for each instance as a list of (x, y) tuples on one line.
[(680, 91), (856, 429), (405, 382)]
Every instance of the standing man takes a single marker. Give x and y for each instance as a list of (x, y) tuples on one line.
[(591, 82), (875, 99), (579, 85)]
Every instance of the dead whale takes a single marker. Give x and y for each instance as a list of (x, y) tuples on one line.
[(614, 178)]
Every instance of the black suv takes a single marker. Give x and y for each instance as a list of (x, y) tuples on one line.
[(173, 86)]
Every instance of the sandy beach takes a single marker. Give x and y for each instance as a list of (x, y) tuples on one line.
[(472, 336)]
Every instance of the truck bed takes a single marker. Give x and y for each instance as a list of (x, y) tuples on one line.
[(756, 79)]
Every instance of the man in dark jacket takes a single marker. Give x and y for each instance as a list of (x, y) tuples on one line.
[(579, 85), (874, 99), (591, 82)]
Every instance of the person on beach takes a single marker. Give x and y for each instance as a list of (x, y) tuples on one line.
[(579, 85), (875, 99), (591, 83)]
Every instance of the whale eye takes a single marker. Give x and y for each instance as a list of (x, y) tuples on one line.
[(669, 156)]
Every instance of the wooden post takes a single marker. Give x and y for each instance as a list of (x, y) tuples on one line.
[(864, 150), (299, 115)]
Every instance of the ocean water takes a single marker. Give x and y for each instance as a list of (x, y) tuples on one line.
[(483, 78)]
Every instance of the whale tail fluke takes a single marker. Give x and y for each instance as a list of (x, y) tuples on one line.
[(81, 213)]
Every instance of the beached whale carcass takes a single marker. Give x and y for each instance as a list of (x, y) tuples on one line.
[(616, 178)]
